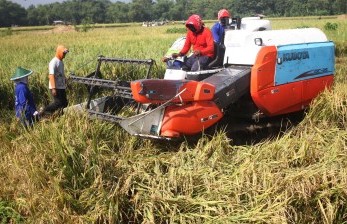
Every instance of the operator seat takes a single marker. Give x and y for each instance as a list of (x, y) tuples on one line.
[(217, 62), (219, 51)]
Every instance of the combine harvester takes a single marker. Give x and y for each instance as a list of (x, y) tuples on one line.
[(258, 73)]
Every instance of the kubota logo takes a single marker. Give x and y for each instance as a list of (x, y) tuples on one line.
[(301, 55)]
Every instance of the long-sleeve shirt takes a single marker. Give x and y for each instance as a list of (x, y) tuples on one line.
[(218, 33), (24, 102), (203, 42)]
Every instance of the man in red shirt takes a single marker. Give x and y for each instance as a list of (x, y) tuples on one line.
[(200, 37)]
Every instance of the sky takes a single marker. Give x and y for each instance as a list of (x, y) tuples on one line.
[(27, 3)]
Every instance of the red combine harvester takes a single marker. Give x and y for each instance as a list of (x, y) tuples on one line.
[(258, 72)]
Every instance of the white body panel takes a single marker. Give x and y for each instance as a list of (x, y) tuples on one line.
[(240, 44), (255, 24), (175, 74)]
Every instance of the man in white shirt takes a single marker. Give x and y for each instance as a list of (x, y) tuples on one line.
[(57, 81)]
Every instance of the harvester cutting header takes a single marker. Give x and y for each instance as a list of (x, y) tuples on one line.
[(258, 72)]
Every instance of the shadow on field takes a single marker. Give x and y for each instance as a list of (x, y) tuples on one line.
[(241, 131), (249, 132)]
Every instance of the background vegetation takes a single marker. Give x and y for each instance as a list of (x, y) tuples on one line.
[(73, 170), (104, 11)]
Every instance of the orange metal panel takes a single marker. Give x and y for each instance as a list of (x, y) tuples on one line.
[(312, 87), (161, 90), (263, 71), (189, 119), (291, 97)]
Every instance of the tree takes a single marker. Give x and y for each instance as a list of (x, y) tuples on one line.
[(141, 10), (281, 8), (195, 7), (298, 8), (179, 10), (117, 13), (161, 10), (339, 7), (104, 11), (39, 15), (32, 16), (12, 14), (95, 10)]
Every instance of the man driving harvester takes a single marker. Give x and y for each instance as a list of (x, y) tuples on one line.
[(200, 37)]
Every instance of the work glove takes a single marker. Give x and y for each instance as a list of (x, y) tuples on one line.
[(36, 116)]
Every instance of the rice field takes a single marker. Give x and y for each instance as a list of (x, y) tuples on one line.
[(70, 169)]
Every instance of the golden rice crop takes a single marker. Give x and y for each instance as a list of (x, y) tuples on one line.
[(70, 169)]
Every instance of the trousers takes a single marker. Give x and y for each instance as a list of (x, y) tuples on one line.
[(197, 63), (59, 101)]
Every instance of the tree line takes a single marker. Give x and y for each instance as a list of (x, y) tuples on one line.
[(105, 11)]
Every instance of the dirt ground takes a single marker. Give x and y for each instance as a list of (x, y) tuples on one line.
[(344, 16), (62, 29)]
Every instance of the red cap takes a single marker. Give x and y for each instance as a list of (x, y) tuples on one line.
[(223, 13)]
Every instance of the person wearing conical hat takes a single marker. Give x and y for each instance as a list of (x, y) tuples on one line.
[(57, 82), (24, 101)]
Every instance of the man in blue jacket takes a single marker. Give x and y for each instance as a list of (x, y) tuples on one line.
[(24, 102), (218, 29)]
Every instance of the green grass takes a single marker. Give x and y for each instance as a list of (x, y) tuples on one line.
[(70, 169)]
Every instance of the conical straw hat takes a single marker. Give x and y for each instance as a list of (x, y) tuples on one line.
[(20, 73)]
